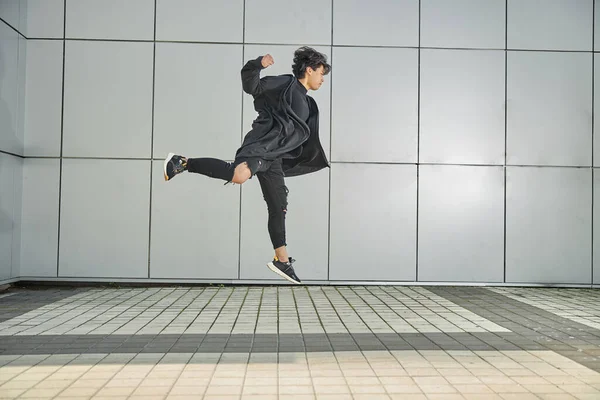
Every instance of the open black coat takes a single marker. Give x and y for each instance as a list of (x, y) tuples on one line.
[(278, 132)]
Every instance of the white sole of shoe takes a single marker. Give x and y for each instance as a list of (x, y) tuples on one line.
[(273, 268), (165, 165)]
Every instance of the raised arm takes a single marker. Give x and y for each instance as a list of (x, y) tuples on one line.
[(251, 74)]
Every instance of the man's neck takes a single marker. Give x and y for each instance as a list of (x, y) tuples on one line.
[(304, 82)]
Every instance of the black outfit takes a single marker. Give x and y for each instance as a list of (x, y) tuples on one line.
[(284, 141)]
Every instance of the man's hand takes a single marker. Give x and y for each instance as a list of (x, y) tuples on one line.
[(267, 60)]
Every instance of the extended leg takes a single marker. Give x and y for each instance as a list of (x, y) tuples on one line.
[(220, 169), (211, 167), (275, 194)]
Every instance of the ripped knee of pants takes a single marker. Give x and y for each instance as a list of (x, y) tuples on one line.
[(275, 212)]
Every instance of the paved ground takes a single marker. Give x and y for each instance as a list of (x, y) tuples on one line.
[(366, 342)]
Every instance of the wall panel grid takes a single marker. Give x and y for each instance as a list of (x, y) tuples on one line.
[(452, 110)]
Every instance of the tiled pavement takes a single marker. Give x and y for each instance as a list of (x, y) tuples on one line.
[(301, 342)]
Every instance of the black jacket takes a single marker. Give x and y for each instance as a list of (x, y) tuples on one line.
[(277, 132)]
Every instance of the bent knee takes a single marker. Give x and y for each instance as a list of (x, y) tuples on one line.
[(241, 174), (239, 179)]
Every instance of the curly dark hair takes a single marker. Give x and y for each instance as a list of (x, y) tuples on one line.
[(306, 57)]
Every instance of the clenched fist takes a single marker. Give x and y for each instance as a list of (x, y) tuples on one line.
[(267, 60)]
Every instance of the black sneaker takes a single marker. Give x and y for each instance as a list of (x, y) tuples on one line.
[(285, 270), (174, 165)]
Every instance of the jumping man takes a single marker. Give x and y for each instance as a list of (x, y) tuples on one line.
[(284, 141)]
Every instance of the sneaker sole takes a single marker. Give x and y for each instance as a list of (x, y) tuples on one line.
[(169, 156), (273, 268)]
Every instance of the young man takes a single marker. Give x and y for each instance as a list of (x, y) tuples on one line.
[(284, 141)]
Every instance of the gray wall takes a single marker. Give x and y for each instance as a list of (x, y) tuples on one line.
[(460, 134), (13, 17)]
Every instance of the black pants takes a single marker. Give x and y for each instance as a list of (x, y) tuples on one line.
[(272, 183)]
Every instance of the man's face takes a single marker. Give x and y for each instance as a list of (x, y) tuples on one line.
[(315, 77)]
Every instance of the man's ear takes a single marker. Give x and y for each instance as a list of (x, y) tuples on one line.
[(309, 70)]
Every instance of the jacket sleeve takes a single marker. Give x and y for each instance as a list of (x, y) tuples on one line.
[(251, 77)]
